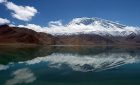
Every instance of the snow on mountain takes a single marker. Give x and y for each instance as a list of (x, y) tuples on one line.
[(92, 26), (86, 26)]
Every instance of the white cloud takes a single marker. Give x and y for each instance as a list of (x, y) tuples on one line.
[(55, 23), (23, 75), (2, 1), (24, 13), (34, 27), (4, 21), (38, 28)]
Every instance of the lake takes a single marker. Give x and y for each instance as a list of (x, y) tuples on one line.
[(70, 65)]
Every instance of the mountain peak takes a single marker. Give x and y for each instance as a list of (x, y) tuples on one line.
[(96, 21)]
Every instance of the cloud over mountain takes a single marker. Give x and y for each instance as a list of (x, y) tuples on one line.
[(4, 21), (34, 27), (85, 26)]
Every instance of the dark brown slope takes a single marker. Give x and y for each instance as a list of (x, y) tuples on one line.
[(93, 39), (132, 39), (16, 35), (82, 39)]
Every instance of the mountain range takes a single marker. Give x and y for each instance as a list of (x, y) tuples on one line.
[(80, 31)]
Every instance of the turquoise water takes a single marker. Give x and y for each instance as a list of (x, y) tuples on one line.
[(70, 65)]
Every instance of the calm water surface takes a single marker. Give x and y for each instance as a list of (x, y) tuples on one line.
[(70, 65)]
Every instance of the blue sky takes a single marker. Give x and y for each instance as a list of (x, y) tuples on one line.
[(123, 11)]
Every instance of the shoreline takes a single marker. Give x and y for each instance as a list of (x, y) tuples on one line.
[(38, 45)]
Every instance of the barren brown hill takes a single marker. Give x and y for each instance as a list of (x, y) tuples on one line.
[(16, 35)]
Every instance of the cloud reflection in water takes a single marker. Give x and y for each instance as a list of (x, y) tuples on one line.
[(85, 63), (3, 67), (23, 75)]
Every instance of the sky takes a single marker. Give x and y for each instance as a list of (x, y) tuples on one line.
[(41, 12)]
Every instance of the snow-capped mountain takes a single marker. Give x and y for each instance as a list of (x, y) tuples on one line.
[(93, 26), (79, 31)]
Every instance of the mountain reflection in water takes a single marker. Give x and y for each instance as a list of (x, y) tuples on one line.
[(20, 63)]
